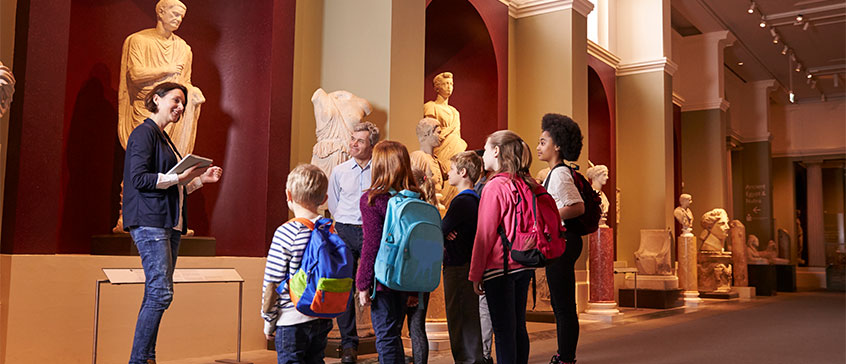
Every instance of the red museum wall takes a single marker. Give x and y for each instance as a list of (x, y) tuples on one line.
[(602, 106), (65, 161), (470, 39)]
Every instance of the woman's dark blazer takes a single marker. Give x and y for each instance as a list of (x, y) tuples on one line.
[(148, 154)]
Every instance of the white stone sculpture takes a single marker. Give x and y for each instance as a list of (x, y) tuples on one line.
[(440, 110), (428, 135), (336, 115), (7, 88), (153, 56), (716, 227), (653, 255), (766, 256), (683, 214), (598, 176)]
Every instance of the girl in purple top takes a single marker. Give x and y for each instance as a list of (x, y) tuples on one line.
[(391, 170)]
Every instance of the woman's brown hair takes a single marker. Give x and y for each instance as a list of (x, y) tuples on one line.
[(391, 170)]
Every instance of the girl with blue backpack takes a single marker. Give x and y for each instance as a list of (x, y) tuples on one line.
[(391, 171)]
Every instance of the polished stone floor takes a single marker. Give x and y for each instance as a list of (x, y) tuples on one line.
[(804, 327)]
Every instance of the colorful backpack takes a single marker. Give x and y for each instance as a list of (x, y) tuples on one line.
[(412, 248), (322, 285), (588, 222), (538, 234)]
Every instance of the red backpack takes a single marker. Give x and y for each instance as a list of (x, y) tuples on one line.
[(538, 233)]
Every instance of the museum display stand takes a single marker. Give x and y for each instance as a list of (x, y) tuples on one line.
[(601, 302), (687, 262)]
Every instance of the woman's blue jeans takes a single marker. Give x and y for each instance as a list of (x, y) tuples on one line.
[(158, 248)]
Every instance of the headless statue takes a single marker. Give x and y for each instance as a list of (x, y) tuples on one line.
[(336, 115)]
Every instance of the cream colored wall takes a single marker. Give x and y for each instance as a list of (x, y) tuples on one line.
[(307, 68), (375, 49), (704, 160), (49, 315), (644, 157), (809, 129), (642, 30), (742, 117), (549, 65)]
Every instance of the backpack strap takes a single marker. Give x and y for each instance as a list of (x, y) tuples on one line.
[(506, 244), (546, 181), (308, 223)]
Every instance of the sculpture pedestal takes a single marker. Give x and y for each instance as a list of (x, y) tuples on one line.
[(786, 277), (651, 298), (601, 300), (687, 269), (709, 278), (655, 282), (764, 278)]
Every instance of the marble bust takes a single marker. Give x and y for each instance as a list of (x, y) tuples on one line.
[(336, 115), (683, 214), (7, 88), (428, 135), (598, 176), (448, 117), (716, 227), (150, 57)]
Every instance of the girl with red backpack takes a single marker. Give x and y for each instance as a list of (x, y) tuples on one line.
[(561, 141), (509, 158)]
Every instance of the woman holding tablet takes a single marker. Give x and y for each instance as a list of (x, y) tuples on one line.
[(153, 208)]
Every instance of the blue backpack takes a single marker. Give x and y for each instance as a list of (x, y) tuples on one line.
[(322, 285), (412, 248)]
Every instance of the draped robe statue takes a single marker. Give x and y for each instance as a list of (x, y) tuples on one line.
[(336, 115), (450, 122), (150, 57), (7, 88)]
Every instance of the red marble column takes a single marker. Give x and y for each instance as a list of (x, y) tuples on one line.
[(601, 299)]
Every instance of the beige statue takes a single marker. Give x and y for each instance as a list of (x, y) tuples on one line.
[(716, 225), (7, 88), (336, 115), (800, 239), (150, 57), (766, 256), (653, 255), (428, 135), (722, 273), (598, 176), (447, 116), (737, 244), (153, 56), (683, 214)]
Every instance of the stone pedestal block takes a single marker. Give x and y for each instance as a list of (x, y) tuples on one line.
[(786, 277), (764, 278), (601, 300)]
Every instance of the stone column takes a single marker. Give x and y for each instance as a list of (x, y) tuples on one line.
[(815, 239), (601, 300), (688, 268)]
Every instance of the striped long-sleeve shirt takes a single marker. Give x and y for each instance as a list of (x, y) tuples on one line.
[(283, 259)]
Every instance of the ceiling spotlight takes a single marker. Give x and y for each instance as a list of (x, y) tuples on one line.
[(809, 75), (806, 26), (740, 63), (798, 67), (799, 18), (785, 49), (751, 9), (776, 39), (792, 97), (763, 23)]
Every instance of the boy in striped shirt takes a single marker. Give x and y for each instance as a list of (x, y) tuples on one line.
[(299, 338)]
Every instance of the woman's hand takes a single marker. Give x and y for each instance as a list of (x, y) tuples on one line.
[(270, 337), (211, 175), (363, 298), (477, 287), (191, 173)]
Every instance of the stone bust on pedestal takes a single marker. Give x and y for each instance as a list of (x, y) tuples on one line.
[(683, 214), (598, 176), (716, 227)]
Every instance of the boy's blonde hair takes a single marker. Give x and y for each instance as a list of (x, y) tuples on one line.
[(471, 162), (307, 184)]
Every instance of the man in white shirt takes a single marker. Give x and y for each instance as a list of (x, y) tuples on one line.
[(347, 183)]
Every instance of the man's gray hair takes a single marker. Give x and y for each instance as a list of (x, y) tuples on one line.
[(368, 127)]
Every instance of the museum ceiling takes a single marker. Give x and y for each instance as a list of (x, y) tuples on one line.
[(813, 32)]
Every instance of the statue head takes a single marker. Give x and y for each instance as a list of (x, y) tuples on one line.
[(443, 84), (715, 222), (752, 241), (597, 175), (169, 14), (685, 200), (428, 132)]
